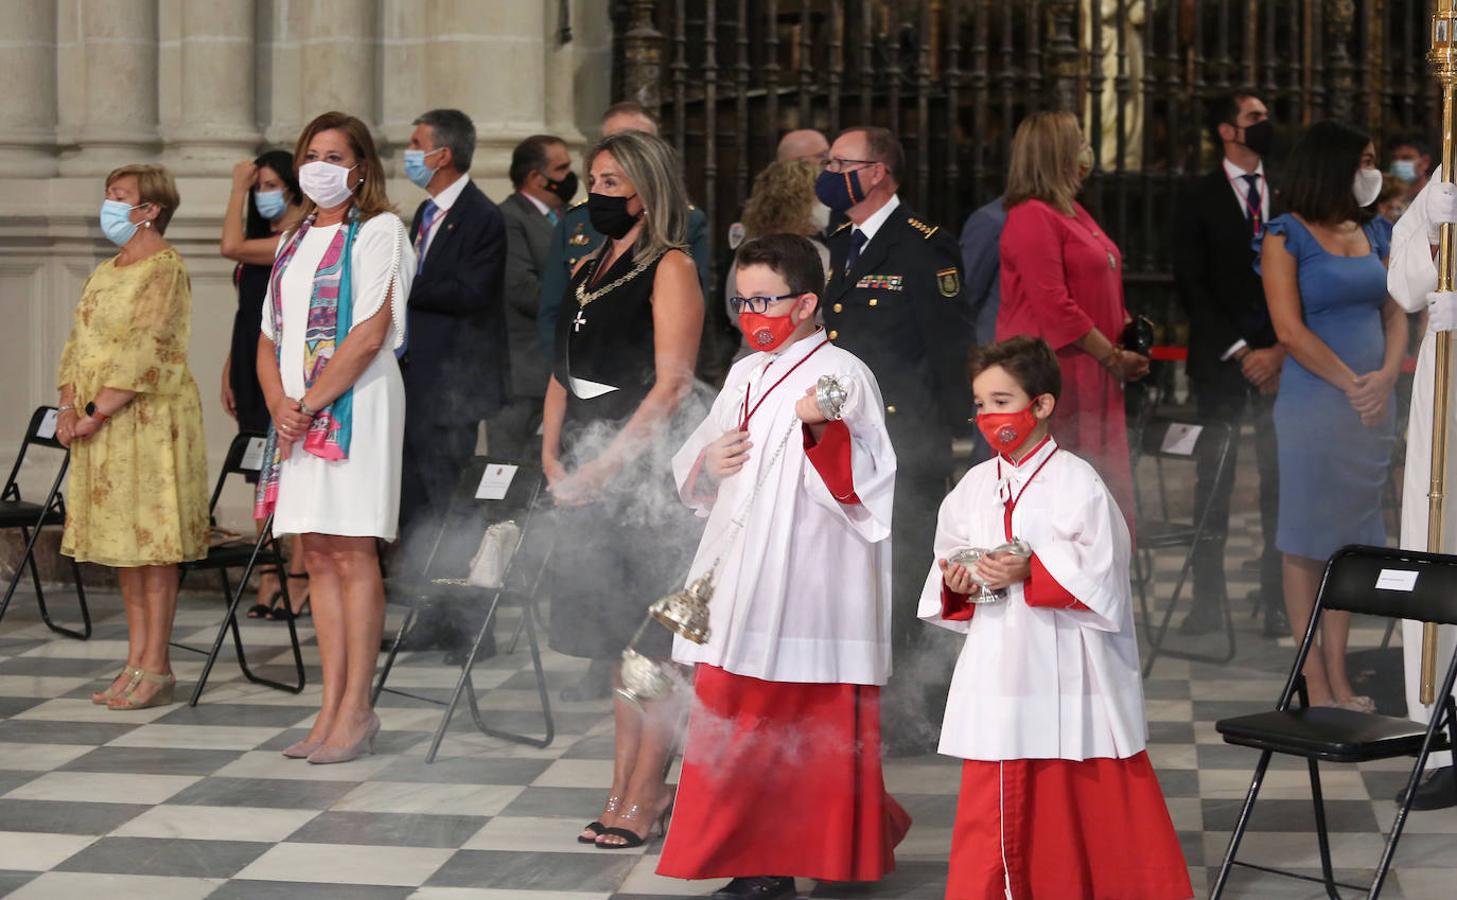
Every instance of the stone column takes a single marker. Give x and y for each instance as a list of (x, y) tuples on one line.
[(28, 102), (338, 51), (215, 123), (487, 60), (118, 43), (402, 55)]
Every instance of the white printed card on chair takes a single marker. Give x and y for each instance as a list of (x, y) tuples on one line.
[(495, 480)]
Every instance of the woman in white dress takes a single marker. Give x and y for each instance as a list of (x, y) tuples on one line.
[(332, 319)]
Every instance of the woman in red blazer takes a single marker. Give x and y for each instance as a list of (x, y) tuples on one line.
[(1062, 281)]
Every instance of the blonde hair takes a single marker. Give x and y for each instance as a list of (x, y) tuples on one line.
[(155, 185), (650, 163), (1045, 161), (370, 197), (784, 194)]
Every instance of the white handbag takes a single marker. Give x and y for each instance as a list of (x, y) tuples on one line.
[(488, 566)]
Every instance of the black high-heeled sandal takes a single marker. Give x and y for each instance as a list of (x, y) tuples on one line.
[(281, 611), (596, 827), (631, 840)]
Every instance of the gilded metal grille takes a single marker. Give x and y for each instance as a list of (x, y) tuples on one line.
[(953, 77)]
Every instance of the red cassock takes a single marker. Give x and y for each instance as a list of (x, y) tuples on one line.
[(1055, 829), (1061, 277), (782, 779)]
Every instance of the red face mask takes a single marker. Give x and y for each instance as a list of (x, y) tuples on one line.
[(766, 332), (1007, 431)]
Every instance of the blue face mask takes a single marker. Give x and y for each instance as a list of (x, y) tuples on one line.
[(270, 204), (415, 168), (839, 190), (1405, 169), (116, 221)]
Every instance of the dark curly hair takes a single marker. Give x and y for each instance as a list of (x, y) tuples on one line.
[(1029, 360)]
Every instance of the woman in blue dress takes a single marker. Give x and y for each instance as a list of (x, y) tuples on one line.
[(1324, 269)]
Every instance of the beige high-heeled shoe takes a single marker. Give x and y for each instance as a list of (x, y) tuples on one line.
[(364, 746), (161, 697), (302, 749), (101, 698)]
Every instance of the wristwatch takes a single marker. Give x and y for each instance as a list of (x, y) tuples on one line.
[(304, 408), (95, 413)]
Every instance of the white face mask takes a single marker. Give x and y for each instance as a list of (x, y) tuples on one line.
[(819, 215), (325, 183), (1367, 187)]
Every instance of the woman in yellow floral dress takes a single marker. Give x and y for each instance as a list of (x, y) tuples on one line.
[(131, 415)]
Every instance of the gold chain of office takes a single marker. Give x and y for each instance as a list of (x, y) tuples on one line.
[(585, 296)]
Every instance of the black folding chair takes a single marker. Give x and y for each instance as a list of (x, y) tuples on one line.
[(260, 553), (1160, 442), (30, 518), (440, 580), (1402, 584)]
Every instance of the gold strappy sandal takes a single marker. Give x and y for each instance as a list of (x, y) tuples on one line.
[(102, 698), (162, 697)]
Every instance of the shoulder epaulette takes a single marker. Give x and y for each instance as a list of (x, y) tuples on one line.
[(846, 224), (578, 203), (923, 228)]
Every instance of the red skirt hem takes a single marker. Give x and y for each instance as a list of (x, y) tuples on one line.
[(782, 779)]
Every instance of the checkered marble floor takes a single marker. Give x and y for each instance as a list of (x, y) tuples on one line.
[(186, 802)]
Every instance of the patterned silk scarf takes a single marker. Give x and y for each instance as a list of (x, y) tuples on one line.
[(330, 316)]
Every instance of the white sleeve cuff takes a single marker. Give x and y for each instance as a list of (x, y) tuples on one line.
[(1234, 348)]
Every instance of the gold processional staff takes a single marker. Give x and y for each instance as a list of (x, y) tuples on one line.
[(1443, 59)]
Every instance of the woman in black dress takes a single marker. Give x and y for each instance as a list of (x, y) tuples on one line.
[(263, 204), (626, 343)]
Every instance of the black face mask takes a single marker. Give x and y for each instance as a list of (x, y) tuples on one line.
[(609, 215), (1260, 137), (566, 189)]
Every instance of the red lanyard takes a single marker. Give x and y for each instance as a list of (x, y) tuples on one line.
[(1011, 502), (1256, 211), (749, 413)]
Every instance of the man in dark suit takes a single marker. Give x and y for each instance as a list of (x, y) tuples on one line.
[(895, 300), (541, 173), (1234, 359), (455, 363)]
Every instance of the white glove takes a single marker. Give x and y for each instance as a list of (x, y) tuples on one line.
[(1440, 206), (1442, 311)]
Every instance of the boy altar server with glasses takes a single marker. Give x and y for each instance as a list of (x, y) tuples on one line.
[(794, 470)]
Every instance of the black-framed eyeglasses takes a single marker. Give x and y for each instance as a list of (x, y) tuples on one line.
[(837, 165), (756, 305)]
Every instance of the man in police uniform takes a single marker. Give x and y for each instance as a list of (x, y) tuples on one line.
[(894, 300), (574, 237)]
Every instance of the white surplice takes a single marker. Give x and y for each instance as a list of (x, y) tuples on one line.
[(1412, 274), (802, 593), (1041, 683)]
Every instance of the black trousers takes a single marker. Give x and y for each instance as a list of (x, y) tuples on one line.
[(1230, 405), (920, 677), (511, 432), (435, 455)]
